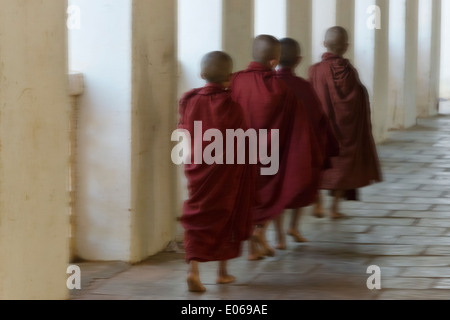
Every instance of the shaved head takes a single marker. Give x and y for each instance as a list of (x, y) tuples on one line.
[(290, 52), (266, 49), (217, 67), (336, 40)]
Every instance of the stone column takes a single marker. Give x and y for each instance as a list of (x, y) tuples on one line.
[(345, 17), (76, 88), (34, 155), (372, 58), (381, 73), (154, 193), (238, 31), (429, 57), (299, 27), (403, 70), (445, 52)]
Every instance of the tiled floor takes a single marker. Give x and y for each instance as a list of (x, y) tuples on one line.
[(401, 225)]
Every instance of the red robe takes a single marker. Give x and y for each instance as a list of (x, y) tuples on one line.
[(325, 143), (217, 216), (269, 104), (346, 102)]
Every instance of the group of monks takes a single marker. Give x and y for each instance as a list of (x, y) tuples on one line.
[(324, 142)]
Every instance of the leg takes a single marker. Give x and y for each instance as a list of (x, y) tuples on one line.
[(334, 214), (258, 244), (318, 207), (293, 227), (281, 239), (267, 249), (254, 251), (254, 246), (223, 277), (193, 279)]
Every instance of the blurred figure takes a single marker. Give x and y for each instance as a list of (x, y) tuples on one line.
[(346, 102), (324, 142), (217, 216), (270, 105)]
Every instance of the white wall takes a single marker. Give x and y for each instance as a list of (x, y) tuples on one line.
[(324, 17), (270, 17), (34, 154), (364, 45), (199, 32), (101, 50)]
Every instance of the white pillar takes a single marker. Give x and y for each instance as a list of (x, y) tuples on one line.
[(435, 68), (154, 194), (324, 17), (299, 27), (445, 52), (372, 58), (345, 17), (34, 155), (428, 57), (364, 45), (270, 17), (380, 100), (403, 64), (238, 31), (199, 31)]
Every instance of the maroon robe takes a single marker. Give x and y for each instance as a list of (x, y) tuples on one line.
[(269, 104), (325, 144), (217, 216), (346, 102)]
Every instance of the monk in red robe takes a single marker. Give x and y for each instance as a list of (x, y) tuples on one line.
[(269, 104), (217, 216), (346, 102), (324, 141)]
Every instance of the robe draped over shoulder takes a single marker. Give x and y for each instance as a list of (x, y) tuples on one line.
[(268, 104), (346, 102), (218, 214), (324, 144)]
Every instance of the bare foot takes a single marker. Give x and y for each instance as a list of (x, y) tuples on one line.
[(254, 248), (255, 256), (267, 250), (337, 215), (194, 284), (281, 240), (262, 245), (297, 237), (225, 279), (318, 213)]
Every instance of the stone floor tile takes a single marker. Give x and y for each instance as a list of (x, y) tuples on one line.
[(414, 295), (406, 283)]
